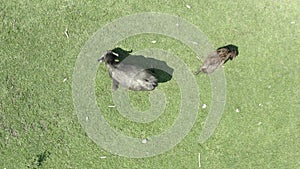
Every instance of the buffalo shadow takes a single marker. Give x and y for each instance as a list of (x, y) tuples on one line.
[(158, 68)]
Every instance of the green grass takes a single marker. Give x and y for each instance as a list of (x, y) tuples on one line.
[(38, 123)]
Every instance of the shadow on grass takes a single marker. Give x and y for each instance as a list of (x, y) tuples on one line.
[(40, 159), (159, 68)]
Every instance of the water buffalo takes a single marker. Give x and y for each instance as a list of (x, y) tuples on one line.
[(130, 76), (218, 58)]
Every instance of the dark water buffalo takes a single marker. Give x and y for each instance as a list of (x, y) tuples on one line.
[(218, 58)]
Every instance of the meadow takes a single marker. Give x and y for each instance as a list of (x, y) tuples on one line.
[(41, 41)]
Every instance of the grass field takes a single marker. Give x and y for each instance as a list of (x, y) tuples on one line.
[(39, 127)]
